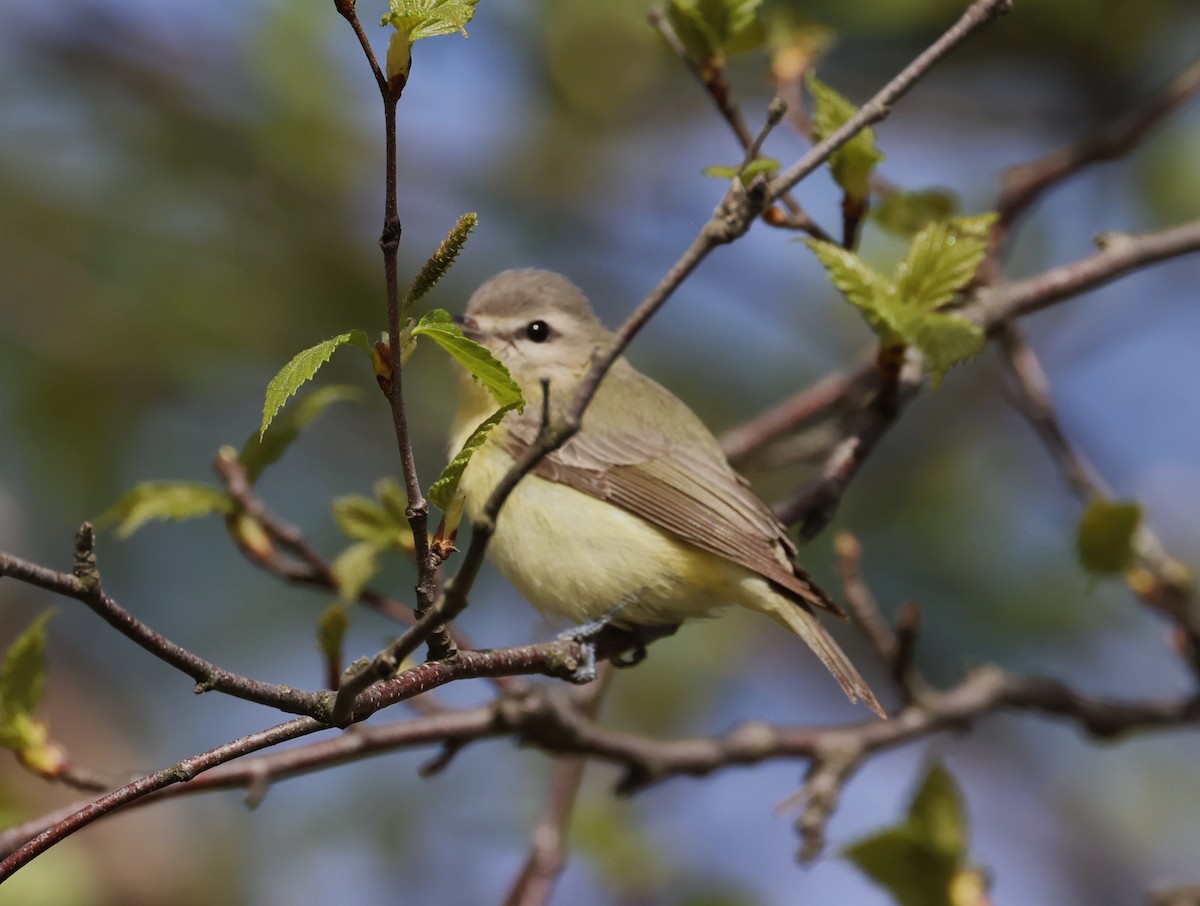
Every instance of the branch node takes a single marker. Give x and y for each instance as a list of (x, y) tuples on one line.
[(85, 569)]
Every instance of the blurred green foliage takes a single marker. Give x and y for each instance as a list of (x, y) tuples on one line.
[(186, 201)]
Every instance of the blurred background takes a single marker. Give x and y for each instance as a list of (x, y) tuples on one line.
[(187, 198)]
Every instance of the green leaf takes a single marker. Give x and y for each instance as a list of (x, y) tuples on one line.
[(945, 339), (262, 449), (942, 260), (23, 682), (354, 568), (393, 498), (301, 369), (167, 500), (710, 29), (419, 19), (331, 629), (921, 860), (863, 286), (1105, 536), (384, 524), (442, 491), (905, 213), (938, 815), (440, 261), (756, 166), (438, 326), (854, 162)]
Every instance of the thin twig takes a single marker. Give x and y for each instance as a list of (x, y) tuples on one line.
[(740, 444), (1023, 184), (712, 79), (207, 676), (1162, 582), (978, 14), (1120, 253)]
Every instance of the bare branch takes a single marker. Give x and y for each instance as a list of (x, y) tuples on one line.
[(1023, 184), (208, 676), (1119, 254)]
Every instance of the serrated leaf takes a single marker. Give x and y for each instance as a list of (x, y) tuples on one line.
[(440, 261), (945, 339), (919, 860), (906, 213), (264, 448), (442, 492), (23, 682), (301, 369), (173, 501), (1106, 534), (428, 18), (942, 260), (863, 286), (853, 163), (490, 371), (756, 166), (354, 568)]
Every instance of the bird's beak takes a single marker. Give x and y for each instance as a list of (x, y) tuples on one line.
[(469, 328)]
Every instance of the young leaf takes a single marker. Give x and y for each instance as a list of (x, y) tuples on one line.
[(442, 492), (23, 676), (942, 259), (438, 326), (354, 568), (362, 519), (331, 629), (854, 162), (905, 213), (262, 449), (1105, 536), (440, 261), (863, 286), (710, 29), (922, 861), (945, 339), (419, 19), (756, 166), (301, 369), (393, 498), (167, 500)]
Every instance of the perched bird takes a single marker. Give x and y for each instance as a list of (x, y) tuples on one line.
[(639, 515)]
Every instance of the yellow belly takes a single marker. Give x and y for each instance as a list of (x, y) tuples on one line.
[(573, 556)]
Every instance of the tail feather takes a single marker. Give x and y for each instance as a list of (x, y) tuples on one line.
[(802, 622)]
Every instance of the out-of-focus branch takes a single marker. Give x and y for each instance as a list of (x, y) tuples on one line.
[(814, 504), (743, 442), (548, 854), (1023, 184), (1162, 581)]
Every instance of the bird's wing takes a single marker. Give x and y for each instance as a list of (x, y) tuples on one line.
[(680, 483)]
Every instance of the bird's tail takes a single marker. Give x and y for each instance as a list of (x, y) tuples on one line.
[(796, 617)]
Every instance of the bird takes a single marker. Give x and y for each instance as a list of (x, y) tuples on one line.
[(638, 519)]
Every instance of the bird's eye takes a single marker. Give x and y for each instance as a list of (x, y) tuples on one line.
[(538, 331)]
